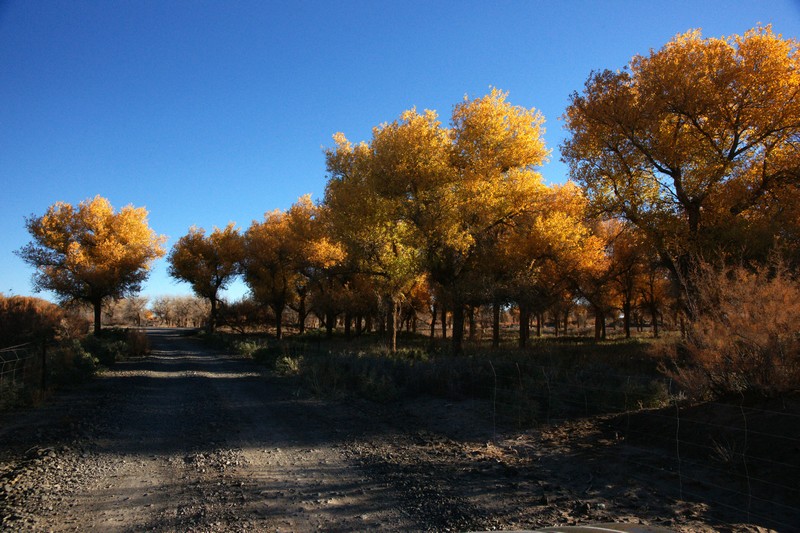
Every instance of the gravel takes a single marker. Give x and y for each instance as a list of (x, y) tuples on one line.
[(188, 439)]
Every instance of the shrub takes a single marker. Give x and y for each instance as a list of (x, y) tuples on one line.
[(25, 319), (137, 342), (744, 338), (105, 348)]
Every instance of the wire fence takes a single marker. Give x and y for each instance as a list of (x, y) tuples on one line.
[(740, 457), (23, 372)]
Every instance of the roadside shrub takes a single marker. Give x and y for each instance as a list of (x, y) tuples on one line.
[(72, 363), (25, 319), (745, 338), (137, 342), (246, 348), (105, 349), (289, 366)]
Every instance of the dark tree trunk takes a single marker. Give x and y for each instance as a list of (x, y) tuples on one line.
[(598, 328), (444, 322), (330, 322), (347, 320), (458, 329), (472, 329), (212, 320), (566, 322), (433, 322), (98, 316), (654, 318), (391, 321), (301, 311), (538, 324), (278, 310), (524, 325), (496, 324), (359, 325), (555, 324)]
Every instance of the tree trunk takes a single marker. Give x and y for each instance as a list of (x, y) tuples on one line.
[(654, 318), (555, 324), (566, 322), (626, 318), (524, 325), (433, 322), (496, 325), (347, 320), (472, 329), (330, 322), (212, 320), (302, 314), (444, 322), (359, 325), (538, 324), (391, 321), (458, 329), (598, 330), (98, 316), (278, 310)]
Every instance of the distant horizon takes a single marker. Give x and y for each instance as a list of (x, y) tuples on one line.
[(220, 113)]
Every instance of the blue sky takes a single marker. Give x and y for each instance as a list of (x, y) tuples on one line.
[(211, 112)]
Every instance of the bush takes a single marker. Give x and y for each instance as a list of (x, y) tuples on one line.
[(744, 338), (137, 342), (72, 363), (106, 350), (24, 319)]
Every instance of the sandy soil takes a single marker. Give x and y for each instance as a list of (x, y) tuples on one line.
[(191, 440)]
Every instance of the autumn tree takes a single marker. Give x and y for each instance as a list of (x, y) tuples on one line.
[(277, 254), (208, 263), (689, 140), (90, 253), (374, 205), (425, 199), (549, 248), (318, 261)]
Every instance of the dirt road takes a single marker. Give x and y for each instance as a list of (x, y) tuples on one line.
[(190, 440)]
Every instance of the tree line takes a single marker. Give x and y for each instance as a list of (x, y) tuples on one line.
[(687, 156)]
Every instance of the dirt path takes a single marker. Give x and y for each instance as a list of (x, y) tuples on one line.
[(186, 440), (190, 440)]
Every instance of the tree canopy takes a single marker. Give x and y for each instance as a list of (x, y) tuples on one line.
[(90, 253), (208, 263), (692, 142)]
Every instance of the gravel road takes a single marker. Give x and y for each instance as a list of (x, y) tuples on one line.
[(191, 440)]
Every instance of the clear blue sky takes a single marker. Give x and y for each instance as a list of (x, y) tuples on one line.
[(210, 112)]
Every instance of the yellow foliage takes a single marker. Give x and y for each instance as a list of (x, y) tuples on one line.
[(90, 252), (690, 139)]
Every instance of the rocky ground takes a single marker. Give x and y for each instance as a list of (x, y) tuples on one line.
[(191, 440)]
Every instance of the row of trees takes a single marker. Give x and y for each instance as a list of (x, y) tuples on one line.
[(690, 151), (441, 219)]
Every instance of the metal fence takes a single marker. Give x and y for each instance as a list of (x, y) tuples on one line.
[(22, 371)]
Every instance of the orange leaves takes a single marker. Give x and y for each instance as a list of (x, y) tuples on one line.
[(688, 141), (90, 253), (208, 263)]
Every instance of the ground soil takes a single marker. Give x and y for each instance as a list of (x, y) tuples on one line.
[(188, 439)]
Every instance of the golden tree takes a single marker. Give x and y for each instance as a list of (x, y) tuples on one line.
[(687, 141), (90, 253), (376, 201), (278, 252), (208, 263)]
